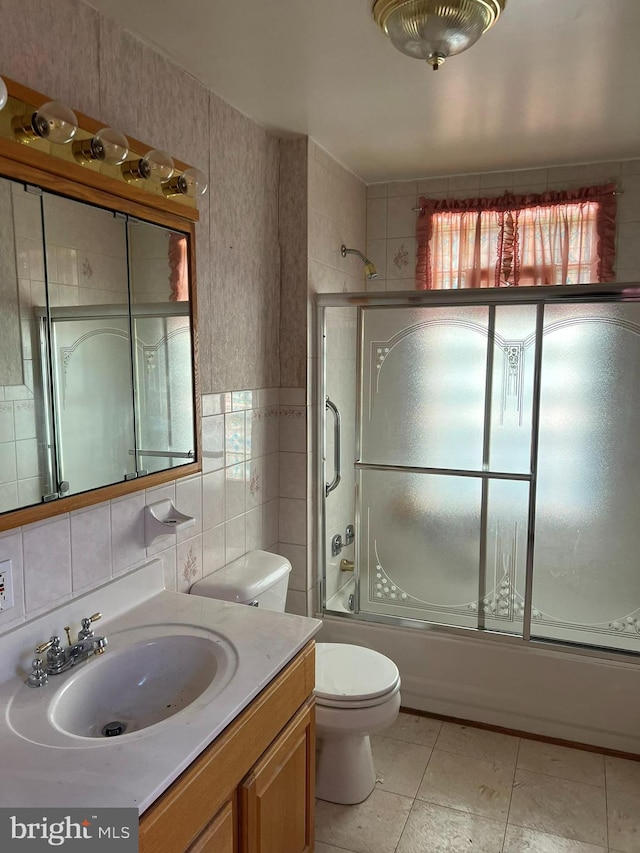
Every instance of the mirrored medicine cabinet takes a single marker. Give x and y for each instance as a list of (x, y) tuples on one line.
[(98, 389)]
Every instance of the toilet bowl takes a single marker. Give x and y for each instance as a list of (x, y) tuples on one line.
[(357, 689), (357, 694)]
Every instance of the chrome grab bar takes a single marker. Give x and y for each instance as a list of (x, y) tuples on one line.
[(329, 487)]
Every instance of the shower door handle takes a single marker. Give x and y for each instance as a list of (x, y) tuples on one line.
[(329, 487)]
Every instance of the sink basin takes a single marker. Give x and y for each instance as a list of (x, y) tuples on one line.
[(136, 687), (145, 678)]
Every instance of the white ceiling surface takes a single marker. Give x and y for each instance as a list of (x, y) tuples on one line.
[(554, 82)]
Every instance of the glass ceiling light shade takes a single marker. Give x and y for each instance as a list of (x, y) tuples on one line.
[(435, 29), (4, 94), (53, 121)]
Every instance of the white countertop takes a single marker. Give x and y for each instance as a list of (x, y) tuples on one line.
[(134, 769)]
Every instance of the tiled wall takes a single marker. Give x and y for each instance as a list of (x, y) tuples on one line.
[(391, 218), (322, 205), (70, 52), (249, 495)]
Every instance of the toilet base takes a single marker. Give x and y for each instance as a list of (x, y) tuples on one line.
[(345, 772)]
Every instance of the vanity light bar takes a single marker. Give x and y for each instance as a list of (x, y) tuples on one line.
[(45, 126)]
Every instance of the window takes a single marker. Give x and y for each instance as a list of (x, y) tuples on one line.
[(554, 238)]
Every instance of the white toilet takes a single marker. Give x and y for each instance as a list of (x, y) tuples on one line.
[(357, 689)]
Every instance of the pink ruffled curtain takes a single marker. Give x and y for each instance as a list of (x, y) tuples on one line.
[(178, 268), (552, 238)]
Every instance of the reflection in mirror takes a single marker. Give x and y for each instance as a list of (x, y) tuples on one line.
[(90, 369), (96, 370), (160, 310), (22, 416)]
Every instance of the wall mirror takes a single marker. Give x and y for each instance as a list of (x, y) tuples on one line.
[(97, 343)]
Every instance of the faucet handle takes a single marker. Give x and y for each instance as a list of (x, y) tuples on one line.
[(42, 648), (38, 676), (87, 630)]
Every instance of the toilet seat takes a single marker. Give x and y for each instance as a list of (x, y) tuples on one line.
[(350, 676)]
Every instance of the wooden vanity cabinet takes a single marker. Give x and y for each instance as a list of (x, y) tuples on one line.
[(253, 789)]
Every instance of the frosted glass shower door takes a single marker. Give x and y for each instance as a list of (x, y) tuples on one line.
[(444, 463), (586, 582)]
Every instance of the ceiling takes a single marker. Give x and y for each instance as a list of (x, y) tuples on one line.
[(554, 82)]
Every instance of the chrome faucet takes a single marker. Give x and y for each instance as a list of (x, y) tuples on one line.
[(61, 659)]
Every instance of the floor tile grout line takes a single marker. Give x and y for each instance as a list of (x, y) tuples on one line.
[(513, 783), (560, 778), (466, 755), (461, 811), (606, 805)]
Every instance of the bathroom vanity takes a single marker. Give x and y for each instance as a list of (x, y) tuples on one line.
[(253, 788), (218, 756)]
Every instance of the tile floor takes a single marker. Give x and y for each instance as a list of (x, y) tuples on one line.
[(446, 788)]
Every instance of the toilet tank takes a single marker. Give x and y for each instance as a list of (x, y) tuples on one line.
[(259, 578)]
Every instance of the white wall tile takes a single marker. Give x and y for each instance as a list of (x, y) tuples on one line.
[(398, 188), (377, 190), (189, 501), (189, 563), (127, 532), (293, 475), (212, 443), (213, 506), (293, 521), (296, 602), (297, 556), (401, 258), (213, 549), (376, 218), (47, 564), (433, 187), (90, 547), (293, 430), (270, 516), (254, 529), (235, 438), (235, 490), (254, 483), (235, 538), (401, 217)]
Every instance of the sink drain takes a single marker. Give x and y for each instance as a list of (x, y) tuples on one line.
[(114, 729)]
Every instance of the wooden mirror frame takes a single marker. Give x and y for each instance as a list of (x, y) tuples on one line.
[(63, 176)]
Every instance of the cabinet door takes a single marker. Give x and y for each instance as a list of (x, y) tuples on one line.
[(219, 835), (277, 798)]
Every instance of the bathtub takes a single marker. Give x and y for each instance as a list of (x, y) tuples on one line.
[(529, 688)]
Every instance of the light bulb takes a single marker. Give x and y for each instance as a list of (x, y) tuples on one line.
[(191, 183), (156, 166), (4, 95), (108, 146), (53, 121), (61, 122), (160, 166), (196, 182)]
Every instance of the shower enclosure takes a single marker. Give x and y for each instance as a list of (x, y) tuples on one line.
[(489, 455)]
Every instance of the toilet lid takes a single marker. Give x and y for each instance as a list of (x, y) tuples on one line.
[(352, 672)]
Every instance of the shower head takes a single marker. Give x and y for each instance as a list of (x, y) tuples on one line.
[(369, 267)]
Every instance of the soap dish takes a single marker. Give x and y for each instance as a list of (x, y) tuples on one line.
[(162, 518)]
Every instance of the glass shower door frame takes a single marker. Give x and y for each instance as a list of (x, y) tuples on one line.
[(536, 296)]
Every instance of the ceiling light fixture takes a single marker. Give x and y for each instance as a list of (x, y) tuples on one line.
[(435, 29)]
